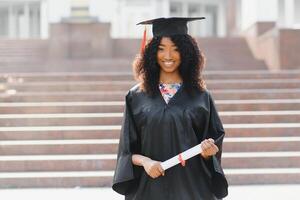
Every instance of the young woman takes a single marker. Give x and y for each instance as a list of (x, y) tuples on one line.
[(168, 112)]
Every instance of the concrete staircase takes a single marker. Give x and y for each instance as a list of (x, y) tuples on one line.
[(22, 51), (62, 129), (229, 53), (35, 56)]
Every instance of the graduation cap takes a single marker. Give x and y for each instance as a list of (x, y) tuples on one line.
[(170, 26), (167, 26)]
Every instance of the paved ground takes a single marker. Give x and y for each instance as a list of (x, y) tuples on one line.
[(256, 192)]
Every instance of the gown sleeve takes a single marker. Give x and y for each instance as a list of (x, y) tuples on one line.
[(216, 131), (126, 174)]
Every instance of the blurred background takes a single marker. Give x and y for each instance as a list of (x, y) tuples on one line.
[(65, 67)]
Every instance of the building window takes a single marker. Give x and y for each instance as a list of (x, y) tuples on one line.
[(20, 19), (296, 11), (176, 9), (136, 2), (3, 21), (212, 14), (34, 20), (196, 9)]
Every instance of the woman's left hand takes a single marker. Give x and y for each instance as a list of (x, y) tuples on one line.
[(208, 148)]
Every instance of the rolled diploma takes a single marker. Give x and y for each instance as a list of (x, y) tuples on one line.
[(185, 155)]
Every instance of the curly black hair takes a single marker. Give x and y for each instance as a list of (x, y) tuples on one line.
[(147, 70)]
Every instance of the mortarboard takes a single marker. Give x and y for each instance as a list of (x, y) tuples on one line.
[(168, 26)]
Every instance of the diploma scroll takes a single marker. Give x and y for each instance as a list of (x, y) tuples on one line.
[(184, 156)]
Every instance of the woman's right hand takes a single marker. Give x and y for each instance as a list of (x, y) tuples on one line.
[(153, 168)]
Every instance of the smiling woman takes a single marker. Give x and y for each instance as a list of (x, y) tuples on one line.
[(168, 112)]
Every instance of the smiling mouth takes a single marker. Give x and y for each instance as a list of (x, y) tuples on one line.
[(168, 63)]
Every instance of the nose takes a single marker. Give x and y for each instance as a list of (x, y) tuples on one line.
[(168, 55)]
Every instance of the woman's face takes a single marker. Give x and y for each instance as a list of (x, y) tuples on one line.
[(168, 56)]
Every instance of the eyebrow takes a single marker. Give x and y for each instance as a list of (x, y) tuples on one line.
[(165, 45)]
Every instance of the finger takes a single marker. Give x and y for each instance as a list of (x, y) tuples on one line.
[(153, 172), (162, 171), (154, 175), (203, 143), (157, 172), (215, 148), (202, 146), (213, 151), (211, 140), (206, 146)]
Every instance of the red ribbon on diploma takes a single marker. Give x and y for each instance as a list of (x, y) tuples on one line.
[(181, 160)]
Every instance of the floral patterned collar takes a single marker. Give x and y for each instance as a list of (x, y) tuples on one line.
[(168, 90)]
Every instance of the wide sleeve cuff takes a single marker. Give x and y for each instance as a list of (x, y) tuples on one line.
[(125, 176), (219, 185)]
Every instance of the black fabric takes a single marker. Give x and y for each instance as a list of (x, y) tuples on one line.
[(158, 130), (170, 26)]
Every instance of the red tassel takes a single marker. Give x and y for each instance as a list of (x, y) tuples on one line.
[(143, 45)]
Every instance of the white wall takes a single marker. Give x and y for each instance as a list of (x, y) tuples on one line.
[(44, 20), (127, 14), (103, 10), (258, 10), (57, 9)]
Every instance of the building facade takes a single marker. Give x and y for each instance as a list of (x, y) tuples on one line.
[(32, 18)]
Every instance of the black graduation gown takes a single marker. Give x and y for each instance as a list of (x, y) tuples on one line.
[(160, 131)]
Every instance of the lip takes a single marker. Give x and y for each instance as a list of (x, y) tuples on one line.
[(168, 63)]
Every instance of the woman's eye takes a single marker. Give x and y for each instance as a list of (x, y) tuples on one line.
[(160, 49), (176, 49)]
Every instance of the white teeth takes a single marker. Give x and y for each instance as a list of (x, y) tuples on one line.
[(169, 63)]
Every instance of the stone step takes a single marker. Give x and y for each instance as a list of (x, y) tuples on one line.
[(104, 179), (88, 119), (270, 130), (118, 106), (105, 162), (259, 145), (63, 96), (256, 94), (262, 104), (62, 107), (116, 76), (45, 134), (113, 132), (71, 86), (14, 96), (237, 117), (58, 147), (263, 176), (125, 85), (55, 180), (37, 163), (80, 119), (110, 146), (261, 160)]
